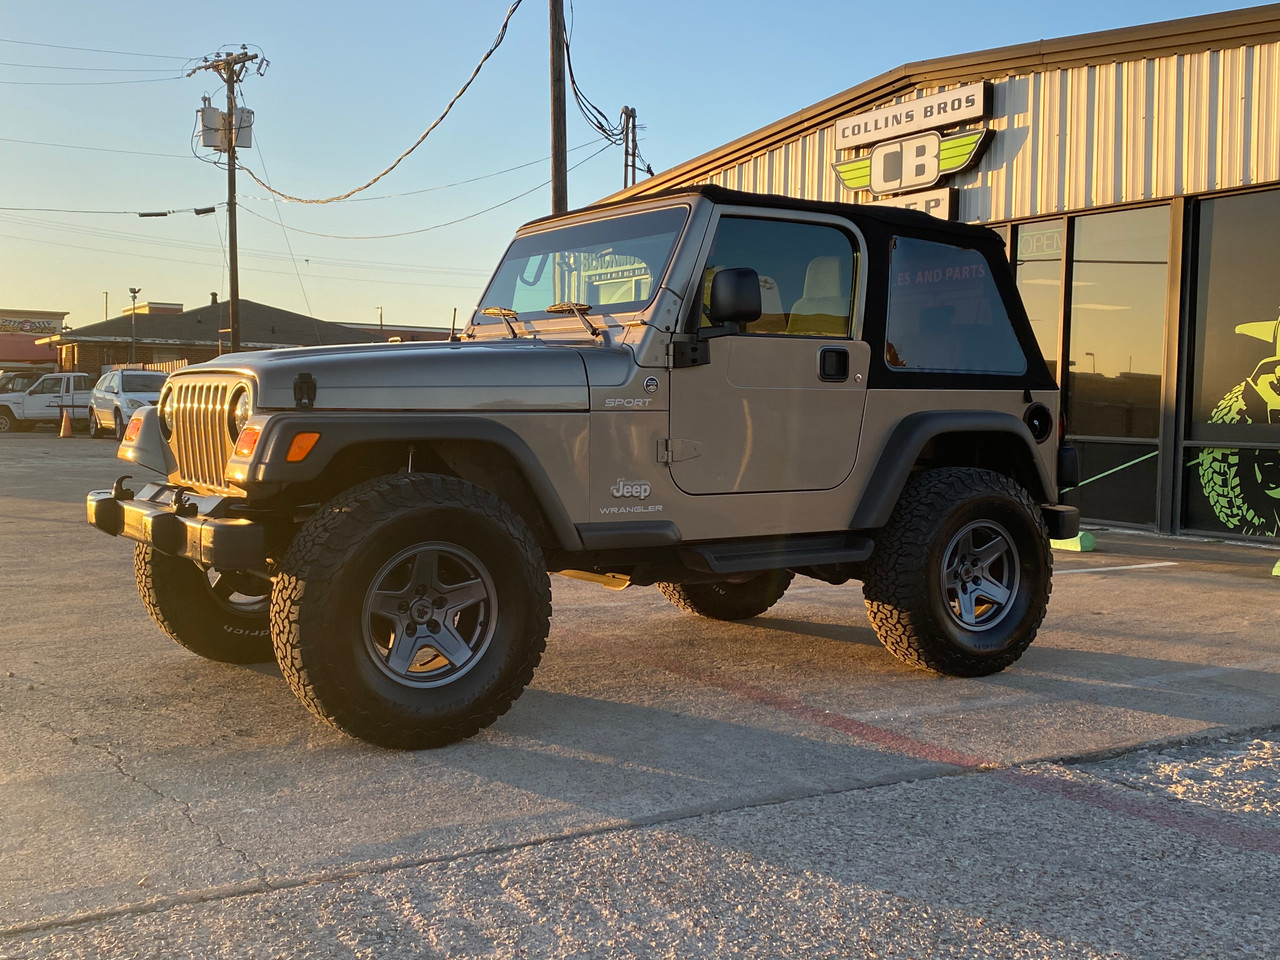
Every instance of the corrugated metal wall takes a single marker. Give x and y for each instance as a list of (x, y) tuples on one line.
[(1081, 137)]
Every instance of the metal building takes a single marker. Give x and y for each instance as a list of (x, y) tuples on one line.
[(1135, 177)]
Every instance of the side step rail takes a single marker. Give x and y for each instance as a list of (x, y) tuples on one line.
[(745, 556)]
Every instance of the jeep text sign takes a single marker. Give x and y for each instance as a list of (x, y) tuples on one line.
[(946, 109)]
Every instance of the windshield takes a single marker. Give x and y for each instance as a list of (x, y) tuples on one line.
[(13, 382), (144, 382), (611, 265)]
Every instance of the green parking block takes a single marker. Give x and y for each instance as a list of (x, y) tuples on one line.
[(1085, 542)]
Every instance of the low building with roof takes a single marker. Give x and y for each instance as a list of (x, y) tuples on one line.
[(166, 336)]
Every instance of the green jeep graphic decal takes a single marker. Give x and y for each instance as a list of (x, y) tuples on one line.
[(1243, 486)]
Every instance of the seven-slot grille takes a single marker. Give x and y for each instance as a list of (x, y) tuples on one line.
[(201, 437)]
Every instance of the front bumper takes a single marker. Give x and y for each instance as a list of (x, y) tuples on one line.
[(183, 527)]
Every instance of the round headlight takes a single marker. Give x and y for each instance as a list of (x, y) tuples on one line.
[(167, 402), (241, 411)]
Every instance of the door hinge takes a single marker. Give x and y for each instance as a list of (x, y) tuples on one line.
[(687, 350), (672, 451)]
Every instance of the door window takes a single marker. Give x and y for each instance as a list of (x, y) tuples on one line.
[(52, 385), (806, 274)]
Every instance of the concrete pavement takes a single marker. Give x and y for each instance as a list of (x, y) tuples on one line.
[(668, 786)]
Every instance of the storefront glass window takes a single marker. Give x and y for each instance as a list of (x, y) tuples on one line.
[(1235, 401), (1119, 276), (1039, 271)]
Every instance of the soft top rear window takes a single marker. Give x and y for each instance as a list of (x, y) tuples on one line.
[(946, 313)]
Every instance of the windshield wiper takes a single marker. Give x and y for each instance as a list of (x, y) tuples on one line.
[(579, 310), (506, 315)]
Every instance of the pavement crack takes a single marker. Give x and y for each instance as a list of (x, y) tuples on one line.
[(117, 761)]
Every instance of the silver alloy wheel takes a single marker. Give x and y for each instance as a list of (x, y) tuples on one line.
[(980, 575), (429, 614)]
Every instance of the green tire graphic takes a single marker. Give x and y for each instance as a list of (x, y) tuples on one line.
[(1234, 481)]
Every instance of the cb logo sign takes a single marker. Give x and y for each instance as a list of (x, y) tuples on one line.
[(912, 163)]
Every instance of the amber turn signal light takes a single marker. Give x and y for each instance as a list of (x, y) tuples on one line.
[(301, 446), (132, 430), (247, 440)]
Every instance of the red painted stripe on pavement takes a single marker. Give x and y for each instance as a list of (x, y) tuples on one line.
[(888, 739), (1171, 815)]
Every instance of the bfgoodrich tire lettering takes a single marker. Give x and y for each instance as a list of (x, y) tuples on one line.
[(960, 576), (728, 600), (206, 613), (411, 610)]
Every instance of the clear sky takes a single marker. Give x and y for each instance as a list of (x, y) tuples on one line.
[(352, 85)]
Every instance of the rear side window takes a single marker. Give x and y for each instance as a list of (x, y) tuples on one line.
[(946, 314)]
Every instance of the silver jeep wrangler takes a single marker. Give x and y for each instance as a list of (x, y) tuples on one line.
[(703, 390)]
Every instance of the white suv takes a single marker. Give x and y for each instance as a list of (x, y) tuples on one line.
[(117, 394)]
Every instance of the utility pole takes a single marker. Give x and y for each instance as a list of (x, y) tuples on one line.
[(133, 324), (559, 149), (231, 68), (629, 147)]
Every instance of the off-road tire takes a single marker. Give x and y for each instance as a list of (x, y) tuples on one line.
[(1230, 477), (182, 602), (727, 600), (324, 610), (95, 430), (905, 580)]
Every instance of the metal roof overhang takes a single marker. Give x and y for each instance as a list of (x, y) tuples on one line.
[(1187, 35)]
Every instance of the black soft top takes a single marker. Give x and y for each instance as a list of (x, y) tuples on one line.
[(912, 220)]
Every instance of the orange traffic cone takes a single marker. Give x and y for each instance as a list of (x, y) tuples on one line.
[(65, 430)]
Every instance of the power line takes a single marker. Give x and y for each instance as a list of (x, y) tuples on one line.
[(437, 226), (54, 66), (84, 83), (119, 53), (199, 211), (76, 146), (446, 186), (497, 42), (258, 253), (279, 273), (285, 233)]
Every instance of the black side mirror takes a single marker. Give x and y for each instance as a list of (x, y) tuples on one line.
[(735, 297)]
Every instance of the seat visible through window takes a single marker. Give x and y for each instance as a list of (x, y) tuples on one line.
[(824, 309)]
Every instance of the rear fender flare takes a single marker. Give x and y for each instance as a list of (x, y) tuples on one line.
[(909, 440)]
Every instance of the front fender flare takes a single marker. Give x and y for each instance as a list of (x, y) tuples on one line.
[(269, 466)]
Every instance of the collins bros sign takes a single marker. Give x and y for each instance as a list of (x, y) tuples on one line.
[(918, 156)]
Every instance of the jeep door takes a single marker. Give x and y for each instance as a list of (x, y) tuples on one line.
[(778, 406)]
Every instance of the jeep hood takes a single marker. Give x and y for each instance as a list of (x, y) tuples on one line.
[(472, 375)]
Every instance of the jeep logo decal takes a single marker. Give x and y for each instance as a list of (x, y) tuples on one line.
[(631, 489)]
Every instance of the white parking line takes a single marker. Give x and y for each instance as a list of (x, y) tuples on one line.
[(1130, 566)]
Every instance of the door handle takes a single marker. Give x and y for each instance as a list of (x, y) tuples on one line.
[(833, 364)]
